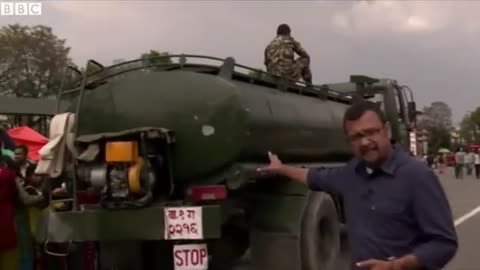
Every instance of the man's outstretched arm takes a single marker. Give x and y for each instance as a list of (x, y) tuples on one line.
[(327, 180)]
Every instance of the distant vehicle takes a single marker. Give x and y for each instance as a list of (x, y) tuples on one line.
[(474, 147), (450, 159), (159, 161)]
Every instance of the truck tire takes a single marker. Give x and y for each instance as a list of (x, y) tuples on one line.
[(320, 233), (344, 259)]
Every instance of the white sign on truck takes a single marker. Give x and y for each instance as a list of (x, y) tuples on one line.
[(183, 223), (190, 257)]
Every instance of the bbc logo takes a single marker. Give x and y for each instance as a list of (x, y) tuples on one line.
[(20, 8)]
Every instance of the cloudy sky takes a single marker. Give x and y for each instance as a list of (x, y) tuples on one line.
[(432, 46)]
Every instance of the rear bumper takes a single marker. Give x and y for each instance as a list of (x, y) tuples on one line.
[(119, 225)]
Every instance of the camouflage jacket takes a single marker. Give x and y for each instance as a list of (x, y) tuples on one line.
[(281, 52)]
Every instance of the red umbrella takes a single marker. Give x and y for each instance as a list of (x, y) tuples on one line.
[(29, 137)]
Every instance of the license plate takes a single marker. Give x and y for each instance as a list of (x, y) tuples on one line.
[(183, 223), (190, 257)]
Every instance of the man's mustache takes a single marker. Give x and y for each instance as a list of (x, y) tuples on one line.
[(365, 149)]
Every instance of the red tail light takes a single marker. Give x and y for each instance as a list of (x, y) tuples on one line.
[(207, 193)]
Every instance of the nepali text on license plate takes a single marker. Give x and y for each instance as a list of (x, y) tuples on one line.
[(183, 223)]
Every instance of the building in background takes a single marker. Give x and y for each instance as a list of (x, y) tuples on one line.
[(455, 138), (422, 142)]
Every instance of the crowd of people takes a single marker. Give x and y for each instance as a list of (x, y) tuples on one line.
[(467, 162), (22, 197), (464, 162)]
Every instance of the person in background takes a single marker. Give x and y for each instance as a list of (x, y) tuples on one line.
[(33, 192), (459, 163), (25, 248), (469, 161), (280, 57), (6, 141), (477, 164), (430, 160), (441, 163), (8, 235), (21, 158)]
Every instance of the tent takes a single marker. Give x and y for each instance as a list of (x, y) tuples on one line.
[(443, 151), (29, 137)]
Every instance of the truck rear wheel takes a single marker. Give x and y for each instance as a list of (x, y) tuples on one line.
[(320, 233)]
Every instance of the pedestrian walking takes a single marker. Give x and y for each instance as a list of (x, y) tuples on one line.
[(397, 214), (441, 163), (469, 162), (459, 163), (477, 164), (8, 235)]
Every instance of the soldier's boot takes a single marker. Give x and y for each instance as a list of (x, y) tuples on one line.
[(307, 75), (308, 80)]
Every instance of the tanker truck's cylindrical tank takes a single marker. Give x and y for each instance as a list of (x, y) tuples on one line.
[(298, 128), (216, 121)]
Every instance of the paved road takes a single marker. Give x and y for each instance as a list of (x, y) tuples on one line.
[(464, 196)]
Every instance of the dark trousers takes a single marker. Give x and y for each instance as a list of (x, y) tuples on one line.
[(477, 170), (469, 167), (459, 171)]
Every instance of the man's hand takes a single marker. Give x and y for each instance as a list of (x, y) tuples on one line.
[(59, 190), (275, 165), (373, 264)]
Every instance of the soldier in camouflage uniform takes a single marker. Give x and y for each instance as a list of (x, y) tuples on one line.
[(280, 57)]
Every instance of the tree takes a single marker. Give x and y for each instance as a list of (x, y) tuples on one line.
[(470, 127), (33, 61), (151, 58), (439, 138), (438, 114), (466, 128), (475, 119), (437, 120)]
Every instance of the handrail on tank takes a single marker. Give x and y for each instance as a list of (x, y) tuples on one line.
[(150, 62), (75, 128), (411, 107), (143, 60), (405, 87), (62, 86)]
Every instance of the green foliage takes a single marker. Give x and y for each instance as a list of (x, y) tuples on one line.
[(439, 138), (156, 58), (32, 61), (470, 127), (437, 120), (475, 117), (438, 114)]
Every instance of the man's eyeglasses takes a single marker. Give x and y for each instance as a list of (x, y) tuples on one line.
[(366, 133)]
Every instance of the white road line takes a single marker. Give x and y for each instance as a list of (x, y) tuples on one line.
[(467, 216)]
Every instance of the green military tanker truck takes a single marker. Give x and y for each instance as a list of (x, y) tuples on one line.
[(155, 165)]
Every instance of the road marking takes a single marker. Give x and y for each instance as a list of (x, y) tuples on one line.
[(467, 216)]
